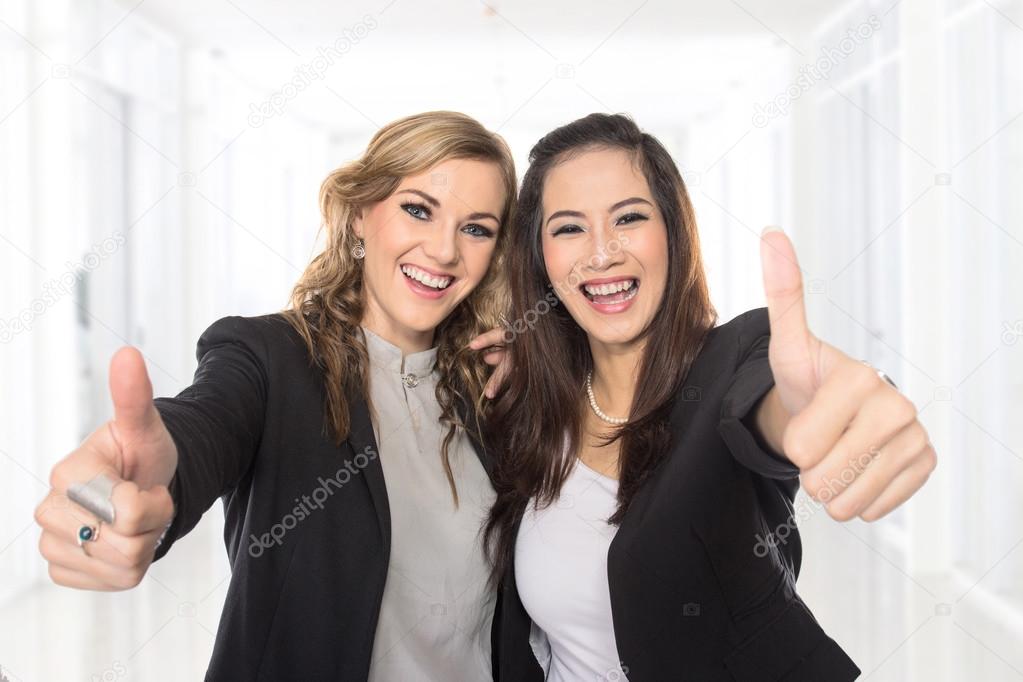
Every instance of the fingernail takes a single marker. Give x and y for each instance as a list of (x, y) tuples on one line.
[(771, 228)]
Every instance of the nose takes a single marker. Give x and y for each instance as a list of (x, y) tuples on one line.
[(605, 250), (442, 245)]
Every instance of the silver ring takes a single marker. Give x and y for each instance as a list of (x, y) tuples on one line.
[(95, 496), (87, 533), (881, 374)]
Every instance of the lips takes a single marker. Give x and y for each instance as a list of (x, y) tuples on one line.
[(426, 283), (429, 278), (610, 294)]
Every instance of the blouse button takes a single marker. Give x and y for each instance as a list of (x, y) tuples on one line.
[(410, 380)]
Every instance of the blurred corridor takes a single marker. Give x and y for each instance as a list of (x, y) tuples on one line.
[(159, 168)]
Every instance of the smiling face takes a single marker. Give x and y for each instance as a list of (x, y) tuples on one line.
[(604, 244), (428, 245)]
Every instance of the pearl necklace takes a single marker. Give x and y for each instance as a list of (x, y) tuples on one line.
[(618, 421)]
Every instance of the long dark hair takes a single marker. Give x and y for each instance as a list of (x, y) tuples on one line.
[(542, 398)]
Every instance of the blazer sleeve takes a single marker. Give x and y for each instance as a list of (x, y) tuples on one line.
[(217, 422), (750, 383)]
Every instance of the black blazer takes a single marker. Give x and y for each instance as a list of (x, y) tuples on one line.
[(249, 431), (697, 591)]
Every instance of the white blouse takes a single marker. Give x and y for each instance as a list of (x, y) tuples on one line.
[(561, 575), (436, 613)]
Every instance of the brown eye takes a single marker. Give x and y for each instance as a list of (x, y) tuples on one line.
[(631, 218)]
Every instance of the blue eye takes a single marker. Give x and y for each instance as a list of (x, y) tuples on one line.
[(631, 218), (417, 211), (478, 230)]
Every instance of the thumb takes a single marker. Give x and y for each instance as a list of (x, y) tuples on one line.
[(131, 392), (783, 288)]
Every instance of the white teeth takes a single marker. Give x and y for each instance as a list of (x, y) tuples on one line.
[(426, 278), (612, 288)]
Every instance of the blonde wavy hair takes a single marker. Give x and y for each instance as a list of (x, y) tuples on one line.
[(327, 303)]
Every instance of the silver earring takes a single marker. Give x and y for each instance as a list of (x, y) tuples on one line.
[(359, 251)]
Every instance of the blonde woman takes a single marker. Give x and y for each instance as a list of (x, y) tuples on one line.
[(352, 502)]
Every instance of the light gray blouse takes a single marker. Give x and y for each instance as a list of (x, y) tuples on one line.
[(436, 614)]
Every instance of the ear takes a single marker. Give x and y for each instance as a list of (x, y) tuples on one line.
[(357, 228)]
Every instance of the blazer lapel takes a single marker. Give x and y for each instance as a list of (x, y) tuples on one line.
[(362, 440)]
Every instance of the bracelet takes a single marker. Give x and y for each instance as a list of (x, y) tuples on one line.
[(159, 540), (881, 374)]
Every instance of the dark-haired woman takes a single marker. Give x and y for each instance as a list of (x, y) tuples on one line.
[(648, 459)]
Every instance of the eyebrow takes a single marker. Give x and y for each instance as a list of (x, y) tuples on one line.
[(614, 207), (429, 199), (479, 215)]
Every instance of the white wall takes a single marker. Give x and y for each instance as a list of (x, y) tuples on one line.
[(912, 228), (896, 176)]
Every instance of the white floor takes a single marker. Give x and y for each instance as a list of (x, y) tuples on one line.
[(162, 630), (900, 627)]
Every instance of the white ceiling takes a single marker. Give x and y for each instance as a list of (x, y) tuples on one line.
[(501, 60), (250, 23)]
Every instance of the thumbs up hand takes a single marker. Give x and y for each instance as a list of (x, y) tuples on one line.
[(857, 442), (136, 453), (147, 453)]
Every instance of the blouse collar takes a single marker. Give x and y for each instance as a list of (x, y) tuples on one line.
[(387, 356)]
